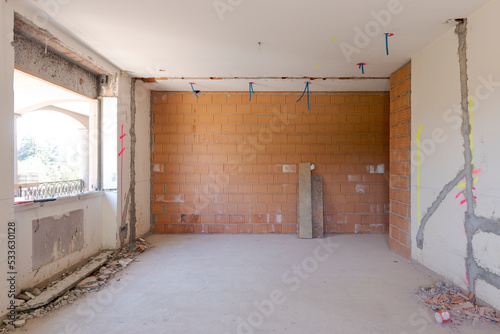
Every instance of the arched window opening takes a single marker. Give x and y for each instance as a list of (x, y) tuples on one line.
[(55, 154)]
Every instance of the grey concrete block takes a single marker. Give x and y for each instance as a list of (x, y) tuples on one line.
[(317, 206), (304, 205)]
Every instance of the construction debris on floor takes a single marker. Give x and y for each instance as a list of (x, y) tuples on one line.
[(461, 307), (40, 302)]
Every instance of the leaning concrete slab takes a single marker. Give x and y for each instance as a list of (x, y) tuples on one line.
[(317, 206), (66, 284), (304, 204)]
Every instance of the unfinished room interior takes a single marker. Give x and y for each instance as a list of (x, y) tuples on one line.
[(250, 166)]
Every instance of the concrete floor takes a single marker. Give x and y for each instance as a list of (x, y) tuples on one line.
[(227, 284)]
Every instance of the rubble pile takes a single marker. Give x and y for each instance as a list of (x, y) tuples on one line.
[(93, 283), (460, 306)]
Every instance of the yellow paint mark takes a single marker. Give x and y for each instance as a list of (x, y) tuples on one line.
[(318, 65), (463, 185), (418, 173), (333, 39), (471, 146)]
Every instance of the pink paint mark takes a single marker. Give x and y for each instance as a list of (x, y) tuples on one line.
[(467, 278), (463, 202), (477, 171), (390, 34), (461, 193), (121, 173)]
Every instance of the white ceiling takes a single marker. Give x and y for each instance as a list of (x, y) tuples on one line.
[(188, 38)]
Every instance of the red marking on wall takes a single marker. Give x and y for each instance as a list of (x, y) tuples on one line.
[(464, 201), (121, 173), (476, 171), (462, 185)]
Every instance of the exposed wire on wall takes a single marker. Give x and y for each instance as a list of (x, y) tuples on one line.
[(306, 89), (192, 88), (362, 67), (387, 35), (250, 90)]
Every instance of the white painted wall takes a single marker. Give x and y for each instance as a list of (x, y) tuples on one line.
[(109, 219), (110, 147), (435, 106), (435, 94), (484, 85)]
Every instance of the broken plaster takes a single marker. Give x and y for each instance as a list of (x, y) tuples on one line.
[(133, 139), (473, 224), (32, 58), (55, 237)]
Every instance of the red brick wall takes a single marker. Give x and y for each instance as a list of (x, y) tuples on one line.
[(222, 164), (399, 216)]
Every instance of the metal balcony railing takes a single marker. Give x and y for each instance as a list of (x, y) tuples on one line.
[(32, 191)]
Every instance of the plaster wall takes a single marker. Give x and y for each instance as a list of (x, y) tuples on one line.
[(143, 158), (458, 184)]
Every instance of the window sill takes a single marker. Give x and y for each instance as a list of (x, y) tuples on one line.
[(59, 200)]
